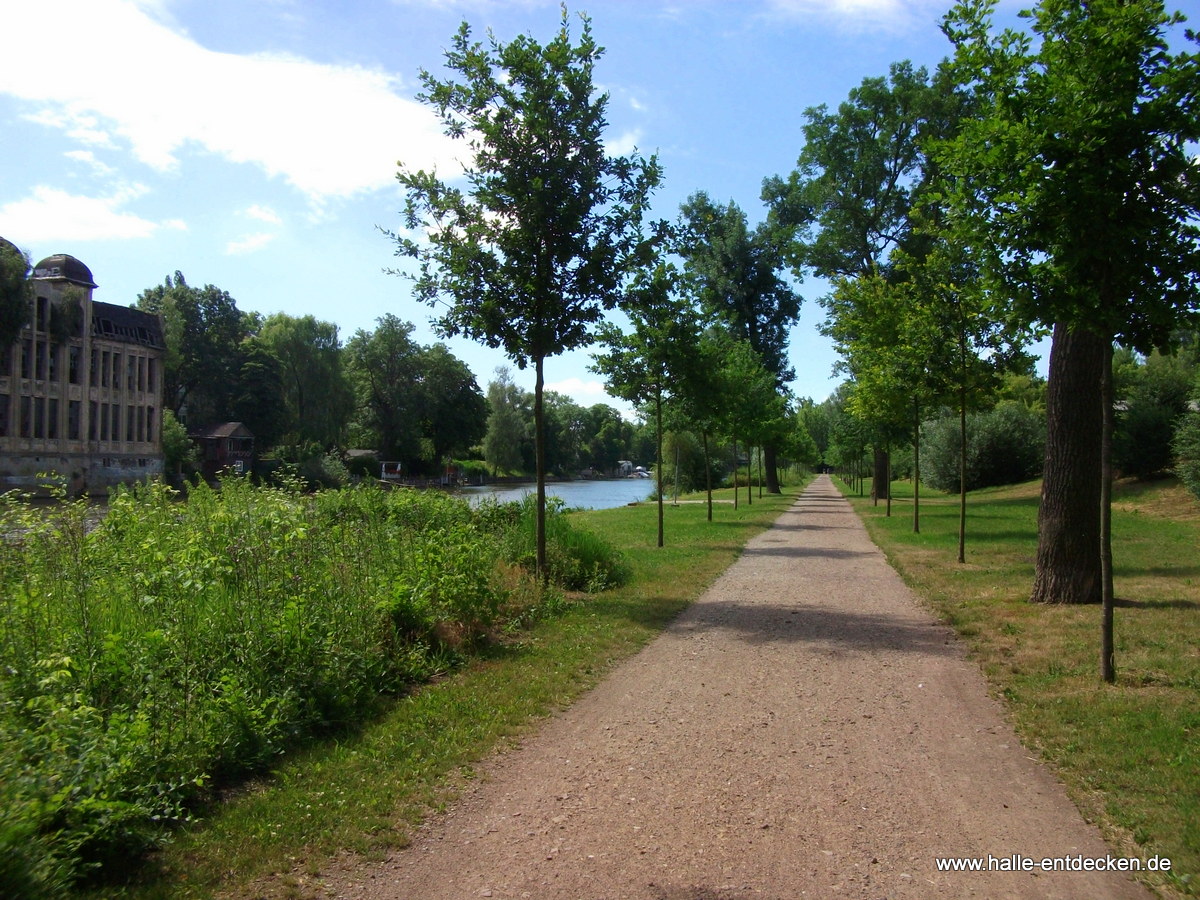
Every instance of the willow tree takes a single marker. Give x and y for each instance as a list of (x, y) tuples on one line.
[(1076, 190), (532, 243)]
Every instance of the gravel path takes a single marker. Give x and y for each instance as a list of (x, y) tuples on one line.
[(803, 730)]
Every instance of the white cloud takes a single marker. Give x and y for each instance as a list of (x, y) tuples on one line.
[(249, 244), (859, 15), (119, 77), (51, 214), (263, 214), (625, 144), (577, 388), (88, 158)]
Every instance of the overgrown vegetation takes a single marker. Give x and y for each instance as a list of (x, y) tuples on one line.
[(178, 646), (1128, 752)]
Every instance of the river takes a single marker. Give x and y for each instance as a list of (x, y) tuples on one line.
[(599, 494)]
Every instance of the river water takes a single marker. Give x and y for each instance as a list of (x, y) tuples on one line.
[(600, 494)]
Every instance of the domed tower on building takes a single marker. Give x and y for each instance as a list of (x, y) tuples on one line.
[(80, 384)]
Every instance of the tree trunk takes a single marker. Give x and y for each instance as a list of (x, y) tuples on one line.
[(539, 444), (1068, 561), (707, 474), (1108, 662), (749, 474), (879, 484), (735, 474), (916, 466), (962, 472), (659, 442), (771, 464), (888, 491)]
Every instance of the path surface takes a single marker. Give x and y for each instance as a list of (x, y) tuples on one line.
[(804, 730)]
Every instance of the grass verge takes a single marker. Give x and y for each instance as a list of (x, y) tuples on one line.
[(365, 792), (1129, 753)]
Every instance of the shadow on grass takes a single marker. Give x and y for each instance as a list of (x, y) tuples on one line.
[(1124, 603)]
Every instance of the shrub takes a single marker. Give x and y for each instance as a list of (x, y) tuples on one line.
[(1186, 446), (1004, 446), (178, 643)]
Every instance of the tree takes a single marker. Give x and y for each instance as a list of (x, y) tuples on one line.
[(647, 364), (16, 292), (737, 277), (506, 424), (204, 331), (535, 250), (384, 367), (847, 209), (452, 410), (1074, 189), (316, 394), (258, 402)]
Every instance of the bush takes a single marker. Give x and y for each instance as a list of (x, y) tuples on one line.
[(1004, 446), (576, 559), (1186, 446), (181, 643)]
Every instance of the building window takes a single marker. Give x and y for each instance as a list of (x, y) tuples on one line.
[(150, 435), (115, 409), (116, 370), (6, 358), (74, 354), (27, 358), (104, 369), (74, 415), (52, 418), (39, 417), (104, 421), (131, 373), (151, 374), (93, 420), (52, 362), (141, 373), (4, 401), (95, 367), (43, 313), (129, 422), (26, 416)]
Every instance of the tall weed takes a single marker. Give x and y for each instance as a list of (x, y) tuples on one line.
[(185, 641)]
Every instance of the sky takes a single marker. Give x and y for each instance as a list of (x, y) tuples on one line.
[(254, 144)]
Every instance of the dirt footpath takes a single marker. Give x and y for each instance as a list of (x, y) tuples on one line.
[(804, 730)]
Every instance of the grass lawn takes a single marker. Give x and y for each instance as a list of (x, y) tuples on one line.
[(1130, 752), (365, 792)]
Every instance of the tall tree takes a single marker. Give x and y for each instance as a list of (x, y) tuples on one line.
[(204, 333), (506, 424), (848, 208), (534, 251), (384, 367), (453, 411), (316, 394), (1076, 190), (738, 278)]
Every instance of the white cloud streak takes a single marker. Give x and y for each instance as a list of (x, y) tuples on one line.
[(51, 214), (120, 78), (858, 15)]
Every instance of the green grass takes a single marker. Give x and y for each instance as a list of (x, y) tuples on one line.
[(1129, 753), (366, 791)]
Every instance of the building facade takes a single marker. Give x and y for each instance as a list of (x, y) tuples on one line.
[(80, 388)]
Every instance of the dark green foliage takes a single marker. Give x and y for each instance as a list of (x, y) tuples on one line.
[(1004, 446), (178, 645), (16, 296), (1186, 446)]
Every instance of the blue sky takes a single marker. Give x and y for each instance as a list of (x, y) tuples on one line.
[(252, 144)]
